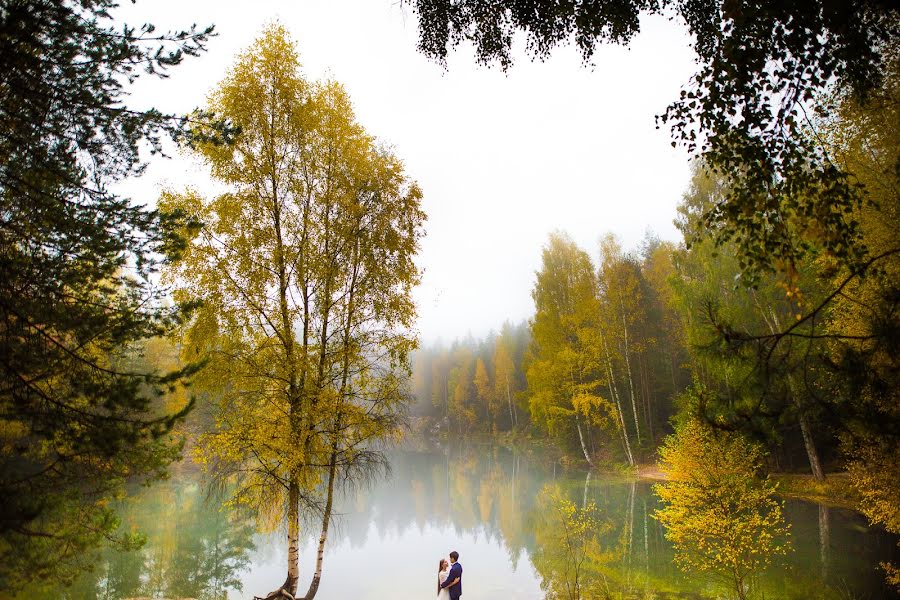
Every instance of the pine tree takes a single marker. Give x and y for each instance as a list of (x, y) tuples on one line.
[(77, 263)]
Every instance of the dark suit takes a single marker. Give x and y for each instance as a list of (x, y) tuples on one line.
[(455, 590)]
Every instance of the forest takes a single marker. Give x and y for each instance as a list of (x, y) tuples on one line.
[(624, 345), (200, 383)]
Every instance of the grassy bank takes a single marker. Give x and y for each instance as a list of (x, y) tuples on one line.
[(836, 490)]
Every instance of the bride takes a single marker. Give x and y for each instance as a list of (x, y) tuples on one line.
[(443, 572)]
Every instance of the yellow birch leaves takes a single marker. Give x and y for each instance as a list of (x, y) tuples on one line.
[(719, 514)]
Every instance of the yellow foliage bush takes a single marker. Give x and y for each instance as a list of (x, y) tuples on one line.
[(721, 517)]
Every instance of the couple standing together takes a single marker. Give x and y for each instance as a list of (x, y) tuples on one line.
[(450, 578)]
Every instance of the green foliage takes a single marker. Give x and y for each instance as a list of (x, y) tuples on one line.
[(819, 346), (863, 323), (822, 346), (78, 412), (719, 514), (731, 330), (746, 110)]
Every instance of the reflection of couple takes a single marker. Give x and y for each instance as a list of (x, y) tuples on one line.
[(450, 578)]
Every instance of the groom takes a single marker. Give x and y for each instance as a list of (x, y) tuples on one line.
[(454, 578)]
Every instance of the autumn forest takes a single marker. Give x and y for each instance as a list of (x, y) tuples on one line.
[(215, 385)]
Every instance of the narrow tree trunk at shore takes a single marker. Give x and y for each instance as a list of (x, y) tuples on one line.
[(809, 443), (611, 384), (812, 454), (290, 584), (288, 589), (584, 449), (326, 521), (637, 427)]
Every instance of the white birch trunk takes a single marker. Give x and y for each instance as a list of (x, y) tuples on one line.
[(637, 427), (611, 384)]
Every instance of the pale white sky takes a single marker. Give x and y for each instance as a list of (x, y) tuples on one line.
[(503, 158)]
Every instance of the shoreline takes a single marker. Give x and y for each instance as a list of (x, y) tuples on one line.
[(835, 491)]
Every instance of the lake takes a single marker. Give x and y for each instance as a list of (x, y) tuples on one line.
[(493, 506)]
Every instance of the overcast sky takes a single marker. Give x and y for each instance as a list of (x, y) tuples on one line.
[(503, 158)]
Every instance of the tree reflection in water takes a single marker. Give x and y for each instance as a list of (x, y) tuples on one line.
[(491, 499), (195, 549), (504, 494)]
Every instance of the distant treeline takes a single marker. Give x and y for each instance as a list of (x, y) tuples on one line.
[(499, 383), (474, 384)]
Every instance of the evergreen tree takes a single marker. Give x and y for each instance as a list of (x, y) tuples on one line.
[(77, 263)]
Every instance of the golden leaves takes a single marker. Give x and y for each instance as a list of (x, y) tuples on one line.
[(302, 268), (720, 516)]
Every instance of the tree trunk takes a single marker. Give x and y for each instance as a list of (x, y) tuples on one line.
[(293, 563), (289, 588), (739, 587), (637, 427), (512, 418), (326, 520), (584, 449), (611, 384), (812, 454)]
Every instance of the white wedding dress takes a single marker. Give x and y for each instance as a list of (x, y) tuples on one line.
[(444, 594)]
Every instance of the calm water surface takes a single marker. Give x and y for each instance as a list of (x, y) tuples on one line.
[(490, 504)]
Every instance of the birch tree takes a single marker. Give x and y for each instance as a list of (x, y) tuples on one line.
[(505, 378), (302, 269), (564, 376), (619, 309)]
